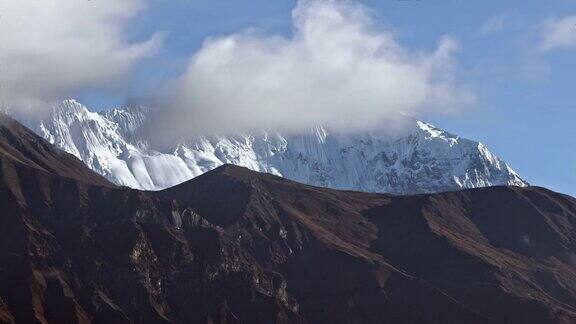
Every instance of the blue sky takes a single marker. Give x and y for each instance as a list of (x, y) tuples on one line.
[(525, 107)]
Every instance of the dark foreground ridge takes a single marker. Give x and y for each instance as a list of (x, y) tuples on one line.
[(234, 246)]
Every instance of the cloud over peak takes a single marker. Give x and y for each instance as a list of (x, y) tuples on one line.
[(339, 68)]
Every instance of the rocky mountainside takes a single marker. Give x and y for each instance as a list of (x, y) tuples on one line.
[(423, 159), (234, 245), (20, 147)]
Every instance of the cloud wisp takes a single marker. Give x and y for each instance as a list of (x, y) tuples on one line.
[(558, 34), (339, 68), (51, 48), (494, 25)]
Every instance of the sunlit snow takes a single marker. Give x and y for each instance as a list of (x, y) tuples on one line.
[(426, 159)]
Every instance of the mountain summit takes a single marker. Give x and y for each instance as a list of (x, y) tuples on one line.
[(424, 159)]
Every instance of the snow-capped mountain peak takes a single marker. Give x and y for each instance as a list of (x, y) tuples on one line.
[(424, 159)]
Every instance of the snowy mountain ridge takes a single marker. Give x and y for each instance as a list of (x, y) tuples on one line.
[(426, 159)]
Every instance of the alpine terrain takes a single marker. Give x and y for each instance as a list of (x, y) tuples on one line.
[(237, 246), (424, 159)]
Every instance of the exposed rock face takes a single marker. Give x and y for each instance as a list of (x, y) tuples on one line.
[(423, 159), (234, 245), (75, 248)]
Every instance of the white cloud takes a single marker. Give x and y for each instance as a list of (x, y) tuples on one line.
[(339, 68), (559, 33), (494, 24), (50, 48)]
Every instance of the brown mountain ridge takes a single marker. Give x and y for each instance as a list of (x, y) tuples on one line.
[(236, 246)]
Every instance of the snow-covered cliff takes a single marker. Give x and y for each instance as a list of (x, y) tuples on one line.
[(424, 159)]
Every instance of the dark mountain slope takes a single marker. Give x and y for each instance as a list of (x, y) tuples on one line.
[(317, 239), (503, 251), (238, 246), (20, 146), (73, 249), (506, 253)]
